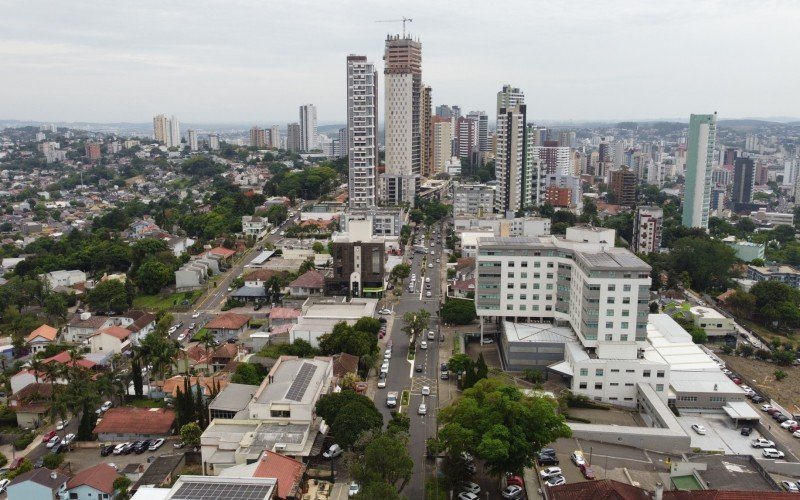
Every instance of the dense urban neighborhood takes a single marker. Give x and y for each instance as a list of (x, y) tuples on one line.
[(450, 304)]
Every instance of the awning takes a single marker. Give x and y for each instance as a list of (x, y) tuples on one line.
[(378, 289), (562, 367), (740, 410)]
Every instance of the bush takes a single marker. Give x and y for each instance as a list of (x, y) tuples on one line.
[(3, 460), (780, 374), (23, 441), (52, 460)]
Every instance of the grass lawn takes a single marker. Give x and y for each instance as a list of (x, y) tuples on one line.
[(157, 303), (147, 403)]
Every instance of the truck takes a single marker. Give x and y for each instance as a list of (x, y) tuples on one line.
[(391, 399)]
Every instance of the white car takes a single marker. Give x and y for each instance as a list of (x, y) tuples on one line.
[(422, 410), (423, 345), (353, 489), (430, 265), (772, 453), (471, 487), (766, 407), (385, 368), (428, 294), (62, 424), (555, 481), (112, 464), (428, 280), (387, 355), (156, 444), (577, 458), (381, 383), (385, 311), (413, 277), (426, 391), (550, 472), (196, 315), (431, 335), (53, 441), (172, 330), (762, 443), (699, 429), (4, 484), (788, 423), (334, 451), (790, 487), (118, 449), (69, 438), (512, 492), (487, 340), (466, 495), (181, 337)]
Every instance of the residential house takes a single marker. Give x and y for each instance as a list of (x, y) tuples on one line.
[(310, 283), (279, 316), (228, 326), (194, 273), (223, 355), (179, 244), (225, 254), (208, 385), (41, 338), (38, 484), (321, 315), (143, 228), (164, 470), (64, 279), (82, 325), (133, 424), (254, 226), (93, 483), (461, 289), (344, 363), (195, 357), (31, 404), (113, 339), (259, 277)]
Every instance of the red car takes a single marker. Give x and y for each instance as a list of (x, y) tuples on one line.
[(587, 471), (515, 481), (47, 437)]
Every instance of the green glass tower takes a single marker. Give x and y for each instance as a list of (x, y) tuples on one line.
[(699, 159)]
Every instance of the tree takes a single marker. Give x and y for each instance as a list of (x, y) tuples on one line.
[(368, 324), (499, 424), (121, 485), (459, 312), (318, 247), (153, 276), (109, 295), (247, 373), (401, 271), (783, 357), (706, 262), (349, 414), (190, 434), (782, 233), (385, 465), (459, 363), (345, 338), (416, 322), (306, 266), (400, 422), (52, 460), (699, 335), (747, 226), (742, 303)]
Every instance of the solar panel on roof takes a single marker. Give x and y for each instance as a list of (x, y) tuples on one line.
[(210, 490), (301, 381)]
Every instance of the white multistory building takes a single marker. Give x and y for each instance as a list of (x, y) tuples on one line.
[(213, 142), (402, 124), (361, 132), (442, 144), (274, 137), (581, 283), (512, 157), (191, 136), (647, 229), (308, 127), (474, 200), (167, 130)]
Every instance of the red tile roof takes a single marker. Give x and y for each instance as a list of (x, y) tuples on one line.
[(311, 279), (228, 321), (466, 286), (172, 384), (44, 331), (344, 363), (284, 313), (288, 472), (115, 331), (65, 359), (224, 252), (100, 477), (125, 420), (260, 275)]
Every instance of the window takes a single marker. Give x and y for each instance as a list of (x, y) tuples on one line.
[(549, 276), (609, 337), (598, 372), (537, 264), (630, 371), (614, 384), (73, 495), (280, 413), (612, 288), (510, 286), (523, 286), (615, 370), (626, 300), (623, 337), (523, 297), (584, 372), (609, 324), (509, 307), (612, 274), (626, 288), (626, 313), (660, 374), (523, 275), (524, 263), (537, 275), (624, 325), (646, 373), (550, 265), (582, 385), (659, 387), (511, 275), (522, 307), (510, 296), (511, 264), (609, 312), (610, 300), (628, 384), (598, 385)]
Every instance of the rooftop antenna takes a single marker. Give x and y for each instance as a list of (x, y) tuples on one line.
[(404, 20)]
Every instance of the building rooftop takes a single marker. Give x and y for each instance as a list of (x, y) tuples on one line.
[(538, 332), (228, 321), (44, 331), (46, 477), (100, 477), (290, 379), (232, 488), (288, 472), (126, 420), (705, 312), (234, 397), (160, 470), (732, 472)]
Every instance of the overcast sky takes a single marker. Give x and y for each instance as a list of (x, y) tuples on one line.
[(242, 61)]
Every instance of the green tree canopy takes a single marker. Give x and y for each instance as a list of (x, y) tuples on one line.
[(385, 466), (109, 295), (459, 312), (190, 434)]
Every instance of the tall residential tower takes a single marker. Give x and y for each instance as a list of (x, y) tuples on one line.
[(362, 126), (699, 165), (402, 108), (308, 127), (167, 130)]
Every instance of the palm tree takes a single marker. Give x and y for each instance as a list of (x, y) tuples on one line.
[(36, 366)]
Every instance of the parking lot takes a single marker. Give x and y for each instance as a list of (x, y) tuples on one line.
[(82, 458)]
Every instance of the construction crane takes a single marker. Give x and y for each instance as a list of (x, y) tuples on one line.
[(404, 21)]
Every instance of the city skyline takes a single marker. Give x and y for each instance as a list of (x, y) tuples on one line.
[(125, 63)]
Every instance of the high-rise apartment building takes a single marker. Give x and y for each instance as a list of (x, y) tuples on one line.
[(93, 151), (473, 200), (402, 125), (213, 142), (466, 137), (623, 185), (167, 130), (426, 132), (191, 138), (512, 155), (482, 124), (554, 158), (744, 180), (258, 137), (294, 142), (647, 227), (361, 132), (568, 139), (442, 137), (699, 164), (308, 127), (274, 137)]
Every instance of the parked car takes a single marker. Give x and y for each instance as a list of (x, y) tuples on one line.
[(762, 443), (334, 451), (512, 492), (587, 471), (544, 459), (16, 463), (59, 448), (471, 487), (514, 480), (547, 451), (577, 458), (550, 471), (107, 406), (487, 340), (106, 450), (746, 431), (699, 429), (445, 376), (385, 311), (53, 441), (381, 380), (353, 489), (47, 437), (772, 453), (128, 448), (61, 424), (788, 423), (766, 407), (179, 445), (4, 484), (790, 486), (385, 368), (118, 448), (555, 481), (466, 495), (796, 434), (69, 438), (423, 409)]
